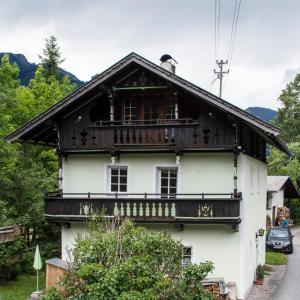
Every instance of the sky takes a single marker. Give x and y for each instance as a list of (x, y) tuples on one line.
[(94, 34)]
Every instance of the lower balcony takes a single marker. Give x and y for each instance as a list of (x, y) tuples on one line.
[(145, 208)]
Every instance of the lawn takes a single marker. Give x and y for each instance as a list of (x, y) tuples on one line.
[(276, 258), (22, 288)]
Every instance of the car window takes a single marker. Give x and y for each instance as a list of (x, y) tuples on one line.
[(279, 233)]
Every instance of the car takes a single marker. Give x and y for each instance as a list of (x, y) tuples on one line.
[(280, 239)]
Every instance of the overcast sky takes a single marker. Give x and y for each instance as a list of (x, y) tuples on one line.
[(95, 34)]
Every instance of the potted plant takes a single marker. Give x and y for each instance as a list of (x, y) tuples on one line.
[(260, 274)]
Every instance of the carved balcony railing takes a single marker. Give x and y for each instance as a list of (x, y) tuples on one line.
[(148, 134), (182, 208)]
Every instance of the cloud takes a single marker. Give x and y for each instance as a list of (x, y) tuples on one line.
[(95, 34)]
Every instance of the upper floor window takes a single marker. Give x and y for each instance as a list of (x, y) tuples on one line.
[(151, 111), (130, 110), (118, 179), (170, 109), (168, 182)]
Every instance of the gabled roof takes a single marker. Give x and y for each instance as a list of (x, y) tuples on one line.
[(268, 131), (277, 183)]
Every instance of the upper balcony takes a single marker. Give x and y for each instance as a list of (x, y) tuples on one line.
[(158, 134), (145, 208)]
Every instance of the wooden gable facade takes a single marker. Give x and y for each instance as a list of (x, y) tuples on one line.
[(137, 106)]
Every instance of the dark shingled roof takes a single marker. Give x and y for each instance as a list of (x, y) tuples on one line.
[(268, 131)]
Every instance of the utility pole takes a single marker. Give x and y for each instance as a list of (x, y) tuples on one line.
[(220, 73)]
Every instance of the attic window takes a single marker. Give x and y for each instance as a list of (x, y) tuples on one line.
[(130, 110), (170, 109)]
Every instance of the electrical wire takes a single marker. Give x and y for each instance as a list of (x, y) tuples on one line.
[(232, 29), (218, 26), (235, 31)]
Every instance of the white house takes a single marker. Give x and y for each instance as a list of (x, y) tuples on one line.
[(141, 142), (280, 190)]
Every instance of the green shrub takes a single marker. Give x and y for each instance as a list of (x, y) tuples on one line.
[(11, 258), (52, 294), (276, 258), (123, 261)]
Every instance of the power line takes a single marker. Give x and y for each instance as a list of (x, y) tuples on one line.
[(218, 26), (234, 32), (232, 28)]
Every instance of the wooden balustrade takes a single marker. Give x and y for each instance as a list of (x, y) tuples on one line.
[(170, 135), (191, 208)]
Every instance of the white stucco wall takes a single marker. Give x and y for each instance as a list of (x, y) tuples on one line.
[(88, 173), (252, 181), (235, 254)]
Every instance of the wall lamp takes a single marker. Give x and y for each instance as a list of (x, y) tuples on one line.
[(260, 232)]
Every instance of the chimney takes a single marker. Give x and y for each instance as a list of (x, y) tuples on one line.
[(168, 63)]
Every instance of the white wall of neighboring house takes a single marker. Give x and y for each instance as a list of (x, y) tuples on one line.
[(235, 254), (277, 201)]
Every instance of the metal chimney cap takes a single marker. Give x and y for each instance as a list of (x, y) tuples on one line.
[(165, 57)]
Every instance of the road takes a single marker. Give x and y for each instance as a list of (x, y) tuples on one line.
[(289, 288)]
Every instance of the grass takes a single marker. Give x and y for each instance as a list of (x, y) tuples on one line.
[(276, 258), (22, 288)]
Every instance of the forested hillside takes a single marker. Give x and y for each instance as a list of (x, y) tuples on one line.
[(27, 69)]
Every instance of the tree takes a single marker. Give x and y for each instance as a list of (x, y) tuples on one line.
[(288, 118), (123, 261), (26, 171), (51, 58)]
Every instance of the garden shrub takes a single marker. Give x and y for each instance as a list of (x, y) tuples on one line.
[(118, 260)]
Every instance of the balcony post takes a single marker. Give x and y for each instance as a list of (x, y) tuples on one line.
[(112, 107)]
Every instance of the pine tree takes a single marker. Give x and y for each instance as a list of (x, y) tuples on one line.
[(51, 58)]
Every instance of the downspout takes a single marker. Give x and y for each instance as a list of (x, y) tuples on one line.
[(291, 156), (235, 159)]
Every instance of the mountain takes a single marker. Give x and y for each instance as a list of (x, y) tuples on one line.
[(265, 114), (28, 69)]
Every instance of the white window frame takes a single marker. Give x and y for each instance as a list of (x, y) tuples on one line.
[(158, 178), (132, 106), (191, 256), (109, 179)]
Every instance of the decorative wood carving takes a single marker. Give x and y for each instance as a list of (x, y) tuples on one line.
[(83, 134), (206, 132)]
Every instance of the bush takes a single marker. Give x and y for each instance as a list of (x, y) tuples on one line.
[(11, 258), (276, 258), (122, 261), (52, 294)]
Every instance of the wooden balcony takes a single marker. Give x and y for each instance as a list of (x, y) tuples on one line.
[(145, 208), (183, 134)]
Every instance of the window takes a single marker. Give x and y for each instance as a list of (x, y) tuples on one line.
[(170, 109), (269, 200), (118, 179), (130, 111), (186, 256), (151, 111), (168, 182)]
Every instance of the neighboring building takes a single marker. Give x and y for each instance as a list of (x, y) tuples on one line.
[(280, 191), (139, 141)]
